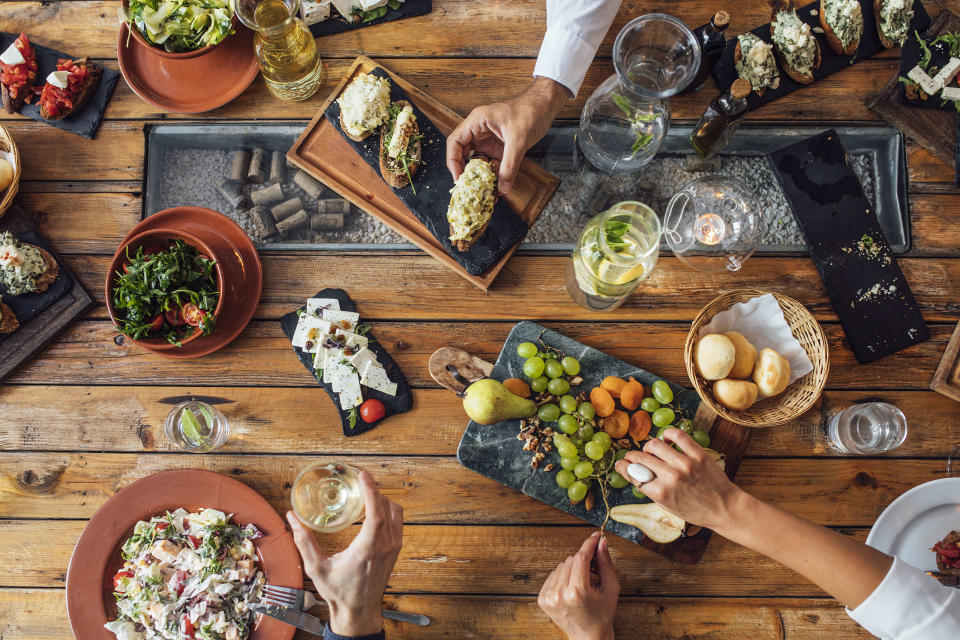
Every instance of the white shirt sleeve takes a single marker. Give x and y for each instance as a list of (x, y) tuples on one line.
[(910, 605), (575, 29)]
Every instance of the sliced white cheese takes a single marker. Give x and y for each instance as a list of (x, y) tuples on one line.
[(352, 339), (319, 359), (367, 5), (342, 319), (341, 374), (328, 364), (950, 93), (345, 7), (926, 83), (310, 329), (946, 75), (314, 12), (316, 305), (375, 377), (362, 358), (12, 55), (350, 394), (59, 78)]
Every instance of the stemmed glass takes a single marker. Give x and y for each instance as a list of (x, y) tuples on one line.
[(326, 496)]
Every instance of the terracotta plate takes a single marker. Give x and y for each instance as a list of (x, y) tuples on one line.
[(192, 85), (242, 273), (96, 558)]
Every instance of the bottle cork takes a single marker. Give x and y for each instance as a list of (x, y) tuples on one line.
[(292, 223), (333, 206), (278, 166), (263, 223), (308, 183), (270, 195), (327, 222), (230, 190), (740, 88), (257, 171), (286, 209), (241, 162), (720, 20)]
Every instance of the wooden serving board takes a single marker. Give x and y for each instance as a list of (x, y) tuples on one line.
[(71, 302), (946, 380), (495, 452), (323, 153)]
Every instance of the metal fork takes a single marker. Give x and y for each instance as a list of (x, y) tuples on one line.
[(302, 600)]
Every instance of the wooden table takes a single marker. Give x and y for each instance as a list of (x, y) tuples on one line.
[(85, 418)]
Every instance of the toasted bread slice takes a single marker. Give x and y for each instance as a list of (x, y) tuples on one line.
[(85, 94), (350, 135), (12, 105), (464, 244), (794, 73), (737, 57), (952, 538), (884, 40), (831, 35), (50, 273), (392, 171), (8, 321)]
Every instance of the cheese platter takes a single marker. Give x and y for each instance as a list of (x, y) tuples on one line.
[(328, 17)]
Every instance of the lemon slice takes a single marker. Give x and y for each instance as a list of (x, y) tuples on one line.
[(191, 426), (609, 273)]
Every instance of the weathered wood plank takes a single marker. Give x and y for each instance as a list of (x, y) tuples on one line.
[(453, 560), (272, 419), (838, 492), (38, 614), (50, 154)]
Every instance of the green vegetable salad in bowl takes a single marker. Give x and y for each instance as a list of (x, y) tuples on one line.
[(179, 28), (163, 289)]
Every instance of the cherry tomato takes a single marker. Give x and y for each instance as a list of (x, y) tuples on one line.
[(121, 575), (192, 314), (195, 541), (372, 411), (162, 525), (186, 627), (157, 323), (174, 317), (179, 582)]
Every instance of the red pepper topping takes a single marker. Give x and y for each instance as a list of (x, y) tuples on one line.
[(17, 76), (57, 100)]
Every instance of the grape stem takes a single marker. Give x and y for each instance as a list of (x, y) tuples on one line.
[(560, 355)]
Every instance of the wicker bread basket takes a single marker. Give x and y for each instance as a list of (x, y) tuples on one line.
[(800, 396), (8, 150)]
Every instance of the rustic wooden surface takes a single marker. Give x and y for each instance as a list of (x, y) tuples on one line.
[(85, 418)]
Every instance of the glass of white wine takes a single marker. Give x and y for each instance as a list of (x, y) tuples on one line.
[(326, 496)]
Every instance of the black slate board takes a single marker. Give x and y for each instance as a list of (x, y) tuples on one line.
[(400, 403), (910, 57), (87, 121), (433, 184), (335, 24), (725, 72), (494, 451), (828, 202), (29, 305)]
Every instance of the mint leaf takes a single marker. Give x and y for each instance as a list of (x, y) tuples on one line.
[(352, 417)]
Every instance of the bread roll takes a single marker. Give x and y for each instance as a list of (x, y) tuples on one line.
[(6, 174), (746, 356), (735, 394), (772, 373), (714, 356)]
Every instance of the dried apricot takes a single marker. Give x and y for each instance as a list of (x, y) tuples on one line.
[(613, 385), (640, 425), (616, 424), (631, 395), (602, 401), (517, 387)]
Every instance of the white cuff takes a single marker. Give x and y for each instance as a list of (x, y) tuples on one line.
[(910, 605), (564, 57)]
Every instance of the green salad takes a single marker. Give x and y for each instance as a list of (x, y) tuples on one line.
[(165, 293), (181, 25)]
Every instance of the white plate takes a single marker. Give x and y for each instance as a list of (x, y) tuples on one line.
[(916, 521)]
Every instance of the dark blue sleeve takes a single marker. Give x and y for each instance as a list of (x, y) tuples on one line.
[(328, 634)]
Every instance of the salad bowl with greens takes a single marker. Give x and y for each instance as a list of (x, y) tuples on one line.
[(178, 28)]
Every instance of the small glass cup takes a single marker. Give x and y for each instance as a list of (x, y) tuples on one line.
[(196, 426), (326, 496), (867, 429)]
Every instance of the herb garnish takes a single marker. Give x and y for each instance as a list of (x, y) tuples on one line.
[(352, 417), (403, 158), (615, 230), (635, 119)]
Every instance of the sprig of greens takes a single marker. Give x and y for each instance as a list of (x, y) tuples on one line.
[(379, 12), (643, 139), (614, 231), (352, 418)]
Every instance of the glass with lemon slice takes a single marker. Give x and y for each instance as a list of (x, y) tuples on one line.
[(196, 426), (617, 250)]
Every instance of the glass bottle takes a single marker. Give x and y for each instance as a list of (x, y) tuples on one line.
[(286, 50), (617, 250), (721, 119), (868, 428), (624, 121), (712, 43)]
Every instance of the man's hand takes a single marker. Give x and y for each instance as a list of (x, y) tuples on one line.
[(352, 582), (689, 484), (581, 607), (506, 130)]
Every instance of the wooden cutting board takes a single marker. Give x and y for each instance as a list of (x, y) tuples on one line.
[(323, 153), (946, 380)]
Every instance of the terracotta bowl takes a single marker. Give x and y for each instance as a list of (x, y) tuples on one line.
[(163, 53), (159, 237)]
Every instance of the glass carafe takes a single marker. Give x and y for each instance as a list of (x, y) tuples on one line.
[(624, 121), (286, 50)]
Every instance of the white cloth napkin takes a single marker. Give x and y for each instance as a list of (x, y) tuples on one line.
[(760, 320)]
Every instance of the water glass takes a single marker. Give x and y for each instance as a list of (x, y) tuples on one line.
[(196, 426), (868, 428), (326, 496)]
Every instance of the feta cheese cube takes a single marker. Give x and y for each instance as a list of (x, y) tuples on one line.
[(342, 319), (946, 75), (312, 330), (375, 377), (950, 93), (345, 7), (12, 55), (361, 358), (314, 12), (926, 83), (316, 305), (341, 376), (367, 5), (351, 395), (328, 364)]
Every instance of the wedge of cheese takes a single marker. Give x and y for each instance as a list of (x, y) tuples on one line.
[(926, 83), (350, 393), (375, 377), (310, 332), (314, 12), (346, 320), (947, 74), (362, 358), (315, 306)]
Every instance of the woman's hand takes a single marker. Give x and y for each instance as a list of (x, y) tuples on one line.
[(689, 484), (577, 602), (506, 130), (352, 582)]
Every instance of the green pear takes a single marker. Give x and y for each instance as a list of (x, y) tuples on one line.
[(718, 457), (657, 523), (487, 401)]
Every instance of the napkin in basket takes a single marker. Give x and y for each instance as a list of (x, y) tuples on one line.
[(760, 320)]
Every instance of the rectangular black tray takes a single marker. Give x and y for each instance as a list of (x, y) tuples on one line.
[(333, 24)]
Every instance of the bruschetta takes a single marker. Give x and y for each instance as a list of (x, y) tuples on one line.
[(25, 268), (471, 201), (69, 88), (842, 23), (796, 47), (893, 18), (754, 62), (8, 321), (18, 73), (364, 106), (400, 146)]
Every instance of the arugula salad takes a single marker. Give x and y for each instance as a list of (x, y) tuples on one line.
[(181, 25), (187, 576)]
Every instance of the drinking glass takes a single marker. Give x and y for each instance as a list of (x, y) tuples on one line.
[(616, 251), (196, 426), (656, 56), (868, 428), (326, 496), (286, 50)]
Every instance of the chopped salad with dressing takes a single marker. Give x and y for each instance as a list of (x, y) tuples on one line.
[(187, 576)]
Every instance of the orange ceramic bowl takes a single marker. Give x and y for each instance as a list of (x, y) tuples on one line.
[(160, 51), (160, 238)]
